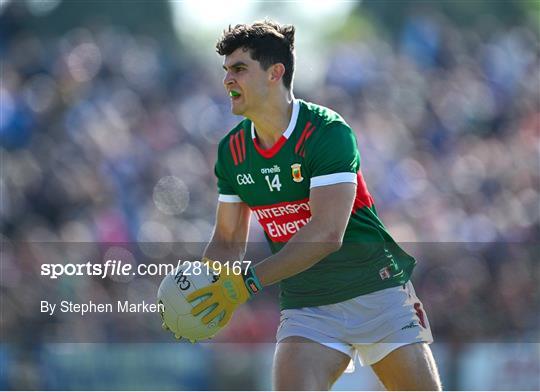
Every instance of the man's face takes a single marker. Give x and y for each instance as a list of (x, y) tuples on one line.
[(245, 77)]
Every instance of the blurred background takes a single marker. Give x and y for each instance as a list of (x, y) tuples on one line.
[(110, 117)]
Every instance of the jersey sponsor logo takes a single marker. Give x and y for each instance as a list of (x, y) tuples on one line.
[(306, 133), (281, 221), (245, 179), (282, 209), (237, 145), (283, 232), (271, 170), (296, 172)]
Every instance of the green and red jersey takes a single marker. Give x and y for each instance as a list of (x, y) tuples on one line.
[(318, 148)]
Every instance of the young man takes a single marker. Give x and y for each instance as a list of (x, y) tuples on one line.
[(344, 282)]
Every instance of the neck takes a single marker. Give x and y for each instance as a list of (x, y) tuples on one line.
[(272, 120)]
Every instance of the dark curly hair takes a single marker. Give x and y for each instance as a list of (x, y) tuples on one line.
[(267, 41)]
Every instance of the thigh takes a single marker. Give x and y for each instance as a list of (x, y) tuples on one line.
[(302, 364), (409, 367)]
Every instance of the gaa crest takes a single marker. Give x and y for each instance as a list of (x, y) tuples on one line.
[(296, 172)]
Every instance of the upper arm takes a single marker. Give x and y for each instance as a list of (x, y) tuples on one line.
[(331, 207), (334, 161), (232, 217)]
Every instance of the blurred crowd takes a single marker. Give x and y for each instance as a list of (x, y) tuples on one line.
[(110, 137)]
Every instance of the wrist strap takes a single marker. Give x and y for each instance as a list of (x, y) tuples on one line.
[(251, 281)]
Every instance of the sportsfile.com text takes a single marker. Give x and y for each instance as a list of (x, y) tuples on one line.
[(121, 268)]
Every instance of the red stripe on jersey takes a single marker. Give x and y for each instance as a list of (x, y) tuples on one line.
[(269, 153), (309, 134), (302, 152), (233, 153), (238, 148), (362, 198), (302, 136), (243, 141)]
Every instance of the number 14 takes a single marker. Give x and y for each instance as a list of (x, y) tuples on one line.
[(274, 183)]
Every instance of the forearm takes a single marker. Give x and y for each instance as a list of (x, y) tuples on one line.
[(309, 246), (223, 251), (230, 234)]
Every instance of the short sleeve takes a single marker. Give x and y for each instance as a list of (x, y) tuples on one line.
[(333, 156), (227, 194)]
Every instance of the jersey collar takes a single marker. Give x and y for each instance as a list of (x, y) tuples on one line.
[(269, 153)]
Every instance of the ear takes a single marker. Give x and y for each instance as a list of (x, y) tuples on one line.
[(276, 72)]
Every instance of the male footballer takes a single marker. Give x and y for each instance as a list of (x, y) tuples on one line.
[(344, 282)]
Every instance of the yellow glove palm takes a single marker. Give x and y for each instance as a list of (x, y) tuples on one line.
[(224, 296)]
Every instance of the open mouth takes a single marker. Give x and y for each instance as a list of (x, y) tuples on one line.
[(234, 95)]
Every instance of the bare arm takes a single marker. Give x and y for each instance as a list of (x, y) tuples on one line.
[(330, 211), (230, 232)]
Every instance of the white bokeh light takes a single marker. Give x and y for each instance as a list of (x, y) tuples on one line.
[(171, 195)]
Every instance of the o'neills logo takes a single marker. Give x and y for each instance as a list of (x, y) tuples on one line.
[(281, 221), (271, 170)]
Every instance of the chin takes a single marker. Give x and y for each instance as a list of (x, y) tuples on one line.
[(237, 111)]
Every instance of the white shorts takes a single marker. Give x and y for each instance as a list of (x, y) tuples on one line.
[(372, 325)]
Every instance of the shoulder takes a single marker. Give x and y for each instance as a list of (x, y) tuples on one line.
[(238, 134), (322, 117), (328, 126), (245, 125)]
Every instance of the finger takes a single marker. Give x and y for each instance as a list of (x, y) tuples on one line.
[(212, 315), (225, 319), (199, 293), (207, 303)]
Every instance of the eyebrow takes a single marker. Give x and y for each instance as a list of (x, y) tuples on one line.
[(235, 65)]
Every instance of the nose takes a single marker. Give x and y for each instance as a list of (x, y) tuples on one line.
[(227, 80)]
